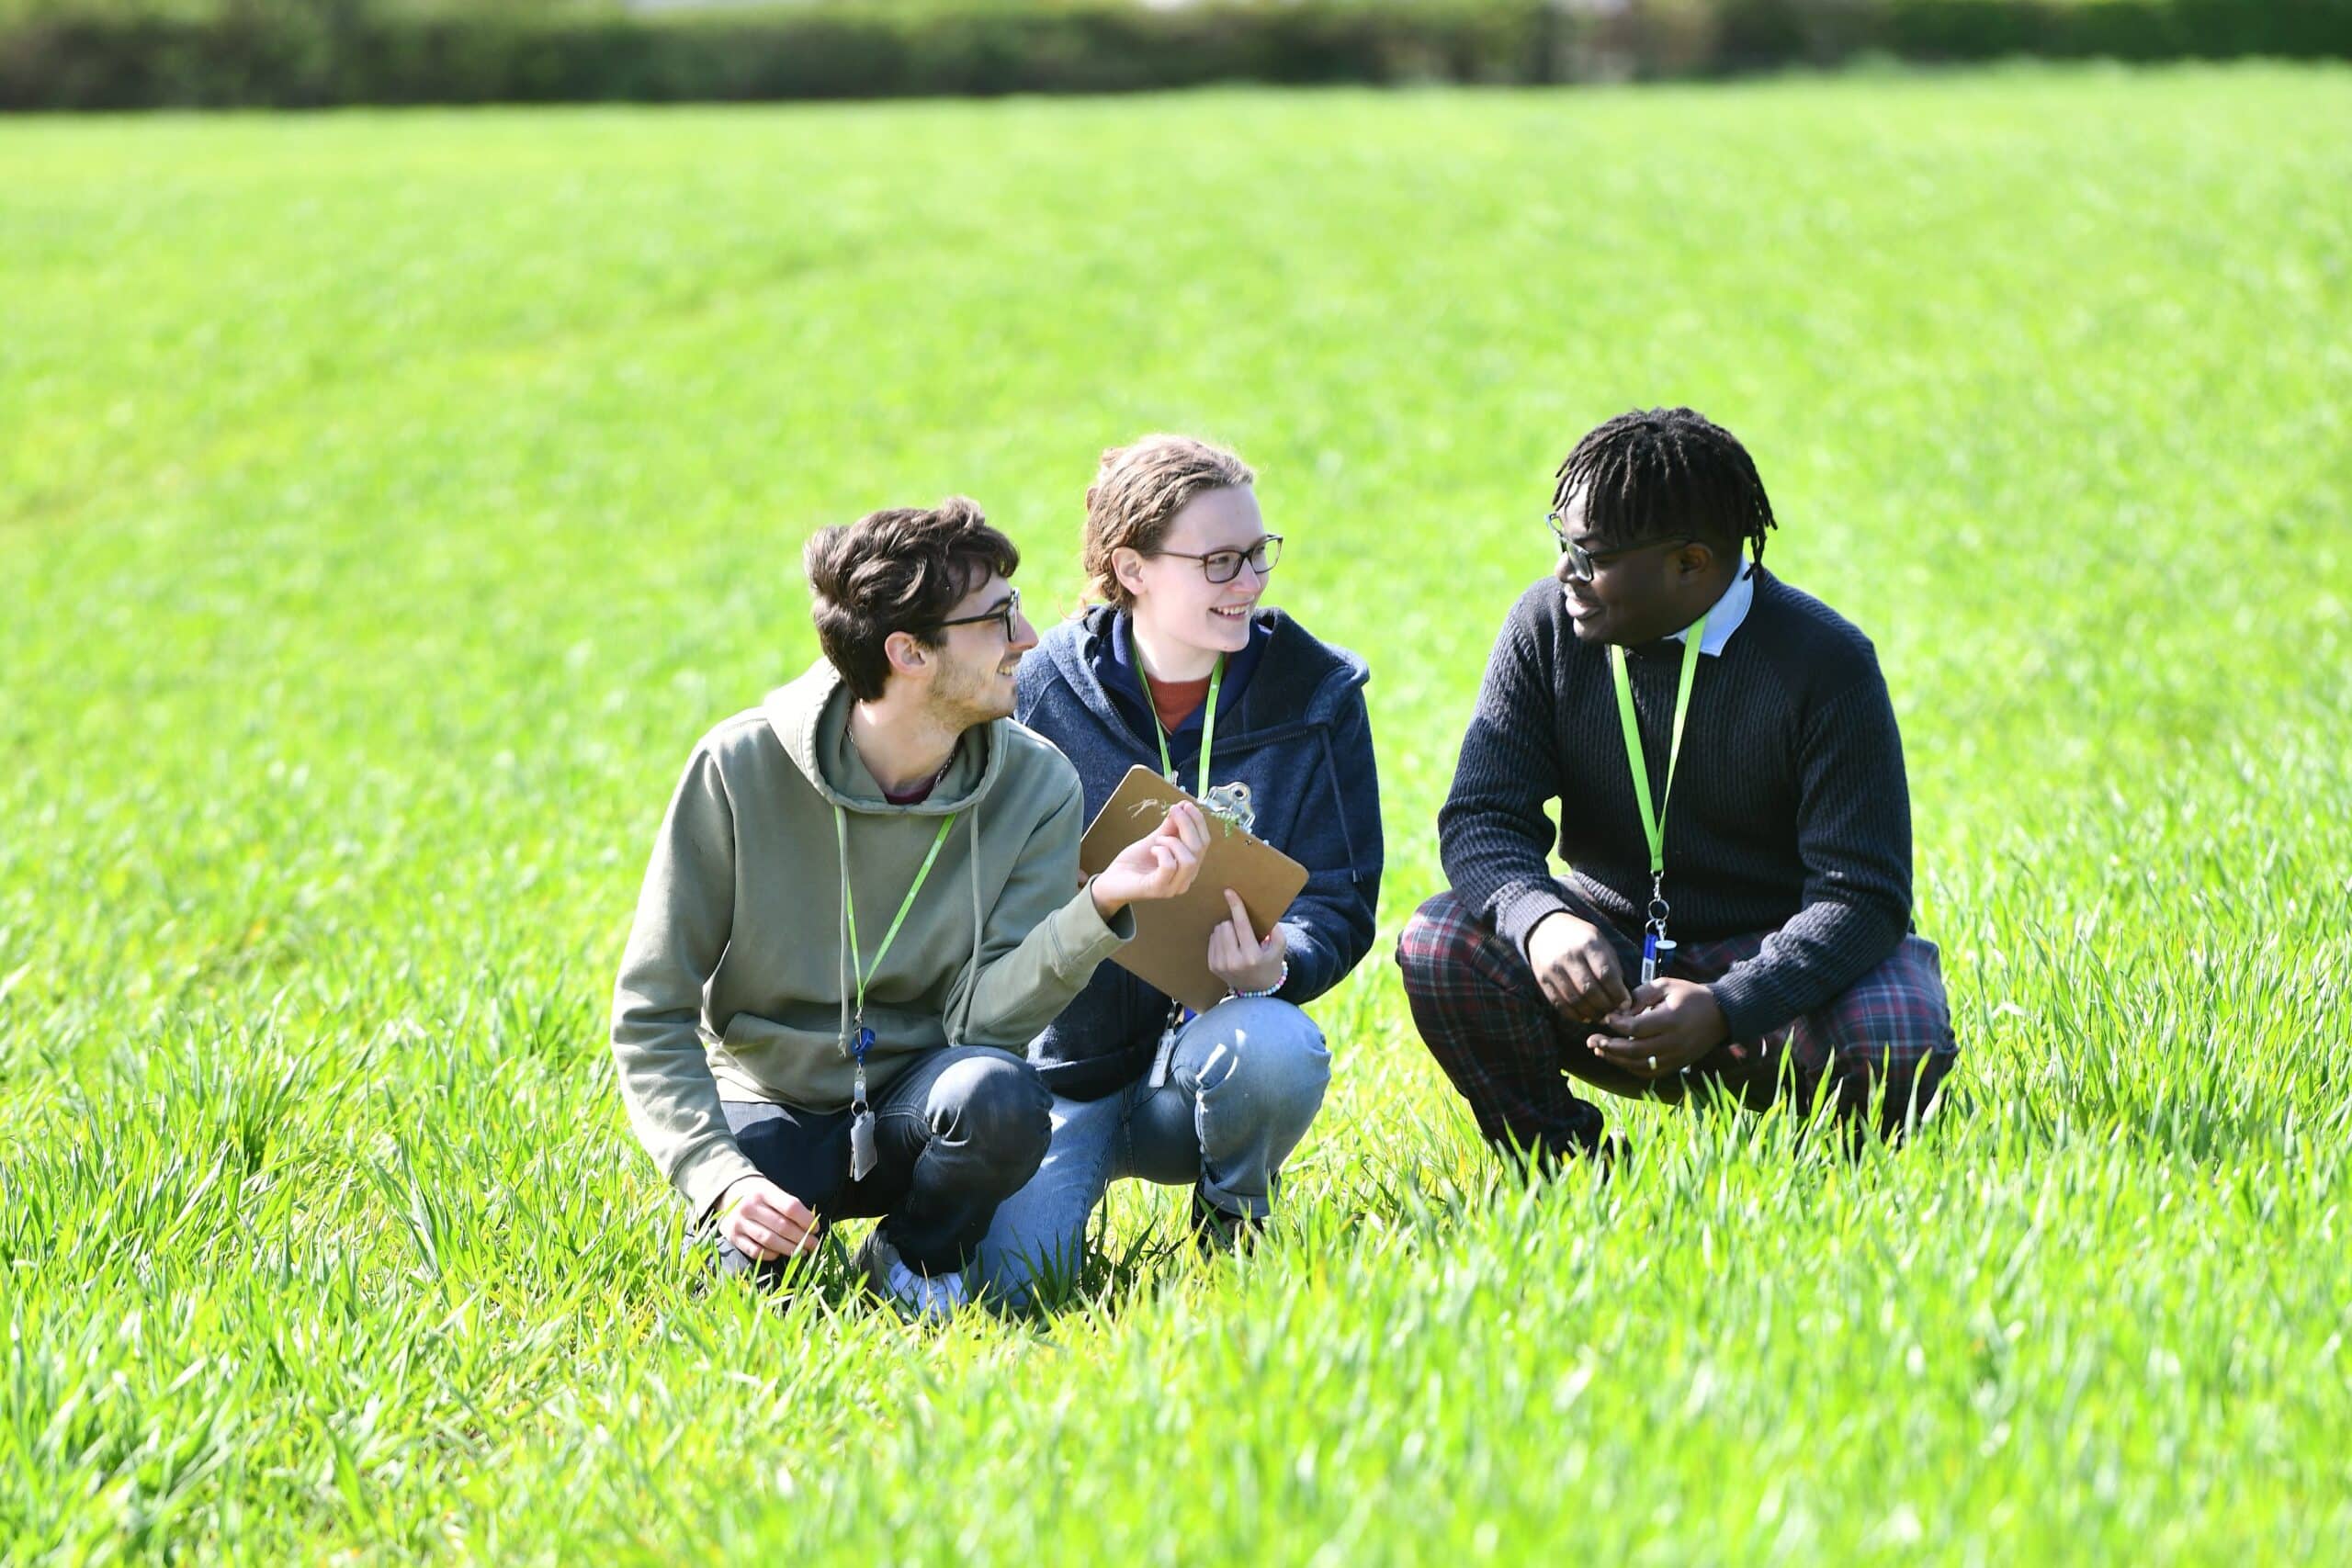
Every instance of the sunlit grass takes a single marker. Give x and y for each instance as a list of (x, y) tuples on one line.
[(387, 502)]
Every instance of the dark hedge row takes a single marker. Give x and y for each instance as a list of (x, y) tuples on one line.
[(339, 53)]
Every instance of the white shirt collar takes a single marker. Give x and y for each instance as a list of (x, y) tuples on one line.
[(1727, 613)]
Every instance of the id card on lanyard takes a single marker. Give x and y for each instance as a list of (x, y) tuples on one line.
[(1657, 948)]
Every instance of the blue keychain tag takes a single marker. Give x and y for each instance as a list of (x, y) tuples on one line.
[(860, 1122)]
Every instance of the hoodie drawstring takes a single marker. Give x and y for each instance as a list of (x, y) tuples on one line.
[(972, 969), (842, 975)]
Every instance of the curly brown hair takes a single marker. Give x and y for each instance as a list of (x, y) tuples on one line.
[(898, 570), (1136, 494)]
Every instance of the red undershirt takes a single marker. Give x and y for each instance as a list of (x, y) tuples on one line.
[(1176, 701)]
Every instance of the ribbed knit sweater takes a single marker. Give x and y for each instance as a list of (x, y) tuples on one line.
[(1789, 813)]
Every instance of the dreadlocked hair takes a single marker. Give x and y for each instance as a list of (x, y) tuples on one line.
[(1652, 473)]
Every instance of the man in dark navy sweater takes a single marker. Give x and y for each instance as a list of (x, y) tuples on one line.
[(1769, 883)]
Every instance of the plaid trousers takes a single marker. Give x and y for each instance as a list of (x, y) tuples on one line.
[(1882, 1047)]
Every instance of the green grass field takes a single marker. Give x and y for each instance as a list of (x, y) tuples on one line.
[(388, 501)]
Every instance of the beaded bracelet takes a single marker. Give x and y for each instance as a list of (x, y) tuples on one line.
[(1280, 981)]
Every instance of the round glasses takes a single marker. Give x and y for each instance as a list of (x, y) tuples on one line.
[(1223, 566)]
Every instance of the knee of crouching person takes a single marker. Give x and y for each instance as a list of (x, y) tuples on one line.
[(1000, 1106), (1271, 1053), (1428, 945)]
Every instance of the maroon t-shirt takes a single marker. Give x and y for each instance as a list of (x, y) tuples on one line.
[(1176, 701)]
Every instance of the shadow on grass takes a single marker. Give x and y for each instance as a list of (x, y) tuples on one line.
[(1678, 1156), (827, 1285)]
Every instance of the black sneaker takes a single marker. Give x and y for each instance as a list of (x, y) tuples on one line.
[(1214, 1231)]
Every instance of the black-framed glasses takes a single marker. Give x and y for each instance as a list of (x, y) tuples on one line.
[(1582, 561), (1223, 566), (1006, 614)]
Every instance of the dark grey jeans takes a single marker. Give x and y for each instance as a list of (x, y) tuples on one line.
[(954, 1136)]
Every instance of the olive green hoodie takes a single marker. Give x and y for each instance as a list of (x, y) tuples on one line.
[(737, 983)]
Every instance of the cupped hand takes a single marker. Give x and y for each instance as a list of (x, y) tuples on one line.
[(1668, 1025), (1237, 957), (765, 1222)]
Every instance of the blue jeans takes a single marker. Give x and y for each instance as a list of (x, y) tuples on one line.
[(1246, 1079)]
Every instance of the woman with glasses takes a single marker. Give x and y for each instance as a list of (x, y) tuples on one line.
[(1184, 669)]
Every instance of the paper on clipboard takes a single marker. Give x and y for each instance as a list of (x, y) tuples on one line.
[(1171, 950)]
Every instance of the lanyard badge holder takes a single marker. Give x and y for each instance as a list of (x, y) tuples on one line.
[(862, 1156), (1657, 948), (1179, 1015), (861, 1121)]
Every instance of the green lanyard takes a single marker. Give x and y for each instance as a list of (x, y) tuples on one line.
[(1208, 729), (865, 972), (1654, 822)]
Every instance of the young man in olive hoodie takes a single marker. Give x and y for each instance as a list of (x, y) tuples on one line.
[(862, 894)]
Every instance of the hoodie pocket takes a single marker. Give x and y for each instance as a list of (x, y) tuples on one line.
[(796, 1066), (807, 1068)]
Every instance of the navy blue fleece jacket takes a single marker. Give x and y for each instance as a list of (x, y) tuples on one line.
[(1291, 724)]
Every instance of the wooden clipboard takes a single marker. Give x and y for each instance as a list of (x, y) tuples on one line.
[(1171, 950)]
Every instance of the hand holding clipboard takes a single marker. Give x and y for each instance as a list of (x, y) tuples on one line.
[(1171, 944)]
